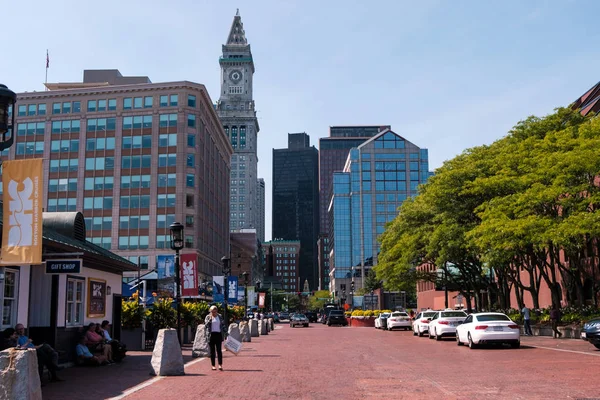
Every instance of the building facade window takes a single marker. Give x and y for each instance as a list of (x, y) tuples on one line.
[(64, 146), (191, 101), (75, 300), (135, 181), (92, 144), (99, 183), (62, 205), (64, 165), (11, 298)]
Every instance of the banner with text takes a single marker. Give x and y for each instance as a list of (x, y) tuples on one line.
[(251, 296), (22, 222), (218, 289), (232, 289), (165, 268), (261, 300), (189, 275)]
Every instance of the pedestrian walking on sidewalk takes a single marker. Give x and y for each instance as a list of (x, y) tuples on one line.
[(214, 325), (527, 321), (555, 318)]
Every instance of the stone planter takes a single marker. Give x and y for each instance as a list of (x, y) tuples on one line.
[(568, 332), (132, 338), (364, 322)]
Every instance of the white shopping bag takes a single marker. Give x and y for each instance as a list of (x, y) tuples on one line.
[(233, 345)]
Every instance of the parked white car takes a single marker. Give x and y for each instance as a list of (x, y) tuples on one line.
[(398, 319), (444, 323), (421, 323), (488, 328), (380, 321)]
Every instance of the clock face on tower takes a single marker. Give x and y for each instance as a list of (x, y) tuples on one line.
[(235, 76)]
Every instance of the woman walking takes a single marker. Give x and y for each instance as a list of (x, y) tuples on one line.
[(215, 330)]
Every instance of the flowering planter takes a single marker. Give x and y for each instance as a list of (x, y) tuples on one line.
[(364, 322)]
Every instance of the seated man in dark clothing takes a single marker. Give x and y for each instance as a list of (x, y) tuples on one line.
[(8, 339), (46, 355)]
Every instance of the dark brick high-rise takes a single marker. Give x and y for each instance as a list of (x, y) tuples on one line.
[(296, 201)]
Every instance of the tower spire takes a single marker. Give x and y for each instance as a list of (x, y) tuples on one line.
[(237, 36)]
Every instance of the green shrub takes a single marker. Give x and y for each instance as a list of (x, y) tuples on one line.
[(358, 313), (162, 314), (368, 313), (132, 312)]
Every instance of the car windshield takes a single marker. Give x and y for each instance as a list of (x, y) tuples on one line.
[(453, 314), (492, 317), (336, 313), (399, 314), (428, 314), (299, 316), (384, 315)]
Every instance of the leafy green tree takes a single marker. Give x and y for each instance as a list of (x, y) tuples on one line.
[(319, 299)]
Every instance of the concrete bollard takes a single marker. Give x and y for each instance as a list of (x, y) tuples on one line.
[(245, 331), (254, 331), (234, 332), (167, 359), (263, 327), (19, 377), (200, 347)]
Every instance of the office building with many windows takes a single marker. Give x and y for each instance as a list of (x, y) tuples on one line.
[(134, 157), (296, 201), (333, 153), (283, 263), (378, 176)]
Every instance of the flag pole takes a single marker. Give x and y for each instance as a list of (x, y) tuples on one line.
[(47, 65)]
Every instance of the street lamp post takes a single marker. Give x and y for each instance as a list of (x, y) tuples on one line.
[(204, 284), (372, 301), (177, 245), (352, 294), (226, 270), (8, 98), (245, 275)]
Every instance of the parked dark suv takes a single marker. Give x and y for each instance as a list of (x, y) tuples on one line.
[(312, 316), (336, 317)]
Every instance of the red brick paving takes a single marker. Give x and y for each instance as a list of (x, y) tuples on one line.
[(360, 363), (356, 363)]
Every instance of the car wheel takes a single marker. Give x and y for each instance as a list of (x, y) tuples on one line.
[(458, 342), (515, 345), (471, 344), (437, 336), (420, 332), (306, 325), (597, 346)]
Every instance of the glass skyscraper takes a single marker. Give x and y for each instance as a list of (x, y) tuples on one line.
[(378, 176)]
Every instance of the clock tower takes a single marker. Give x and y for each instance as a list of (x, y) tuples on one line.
[(238, 116)]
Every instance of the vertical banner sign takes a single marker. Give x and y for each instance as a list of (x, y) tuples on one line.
[(22, 223), (251, 296), (241, 295), (189, 275), (165, 268), (218, 289), (232, 289), (261, 300)]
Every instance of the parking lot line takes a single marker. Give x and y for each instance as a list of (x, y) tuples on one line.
[(566, 351)]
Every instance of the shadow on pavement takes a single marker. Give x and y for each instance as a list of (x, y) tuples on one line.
[(243, 370), (104, 382)]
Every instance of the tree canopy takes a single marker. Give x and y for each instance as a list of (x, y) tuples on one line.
[(527, 202)]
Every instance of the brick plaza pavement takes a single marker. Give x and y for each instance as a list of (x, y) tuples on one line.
[(362, 363)]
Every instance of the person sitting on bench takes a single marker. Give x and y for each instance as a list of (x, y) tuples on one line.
[(97, 342), (46, 355), (85, 357), (118, 348)]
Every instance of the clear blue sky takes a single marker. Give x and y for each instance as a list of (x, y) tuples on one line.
[(447, 75)]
